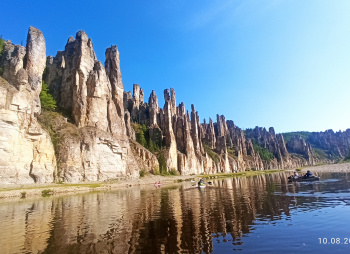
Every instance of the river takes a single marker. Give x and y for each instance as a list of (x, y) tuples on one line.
[(262, 213)]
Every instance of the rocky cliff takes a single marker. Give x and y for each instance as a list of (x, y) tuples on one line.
[(208, 147), (93, 94), (298, 145), (26, 151), (97, 124), (273, 147), (325, 147), (94, 146), (337, 144)]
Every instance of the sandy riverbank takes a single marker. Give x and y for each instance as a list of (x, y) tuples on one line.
[(28, 190), (31, 190), (341, 167)]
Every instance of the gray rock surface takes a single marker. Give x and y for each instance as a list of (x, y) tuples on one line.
[(276, 145), (337, 143), (26, 152), (112, 65), (153, 109), (94, 94), (298, 145)]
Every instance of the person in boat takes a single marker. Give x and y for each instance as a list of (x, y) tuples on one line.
[(308, 174), (201, 182), (296, 175)]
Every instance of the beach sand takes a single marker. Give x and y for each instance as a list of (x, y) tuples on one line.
[(28, 190), (340, 167)]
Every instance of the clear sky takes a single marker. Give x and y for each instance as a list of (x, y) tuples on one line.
[(275, 63)]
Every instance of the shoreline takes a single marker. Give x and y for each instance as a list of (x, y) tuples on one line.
[(22, 191), (337, 167), (55, 189)]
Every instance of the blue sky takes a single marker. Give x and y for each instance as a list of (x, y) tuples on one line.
[(275, 63)]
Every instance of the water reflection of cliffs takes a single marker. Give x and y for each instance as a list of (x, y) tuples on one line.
[(141, 221)]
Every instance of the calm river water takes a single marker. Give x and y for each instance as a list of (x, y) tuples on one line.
[(263, 214)]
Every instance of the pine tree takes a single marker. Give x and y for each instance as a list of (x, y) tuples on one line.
[(162, 163), (46, 99), (140, 137)]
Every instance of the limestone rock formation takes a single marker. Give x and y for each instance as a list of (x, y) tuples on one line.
[(153, 109), (112, 65), (209, 133), (145, 158), (336, 143), (168, 131), (94, 94), (230, 149), (298, 145), (182, 134), (26, 152), (138, 109), (129, 130), (275, 144), (97, 140)]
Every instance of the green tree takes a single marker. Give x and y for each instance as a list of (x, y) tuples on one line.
[(2, 42), (151, 146), (140, 137), (162, 163), (46, 99), (265, 154)]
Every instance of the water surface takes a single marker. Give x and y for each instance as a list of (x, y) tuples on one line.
[(263, 214)]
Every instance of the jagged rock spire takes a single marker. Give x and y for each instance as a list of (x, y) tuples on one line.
[(36, 57), (153, 108), (27, 154), (112, 66)]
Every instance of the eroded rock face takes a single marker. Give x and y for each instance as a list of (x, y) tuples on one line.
[(93, 155), (153, 109), (26, 152), (276, 145), (36, 57), (169, 133), (100, 144), (129, 130), (145, 158), (138, 109), (94, 94), (13, 64), (209, 135), (337, 143), (298, 145), (195, 132), (112, 65), (182, 134)]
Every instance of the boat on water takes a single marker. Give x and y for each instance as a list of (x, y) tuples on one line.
[(201, 183), (302, 179)]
